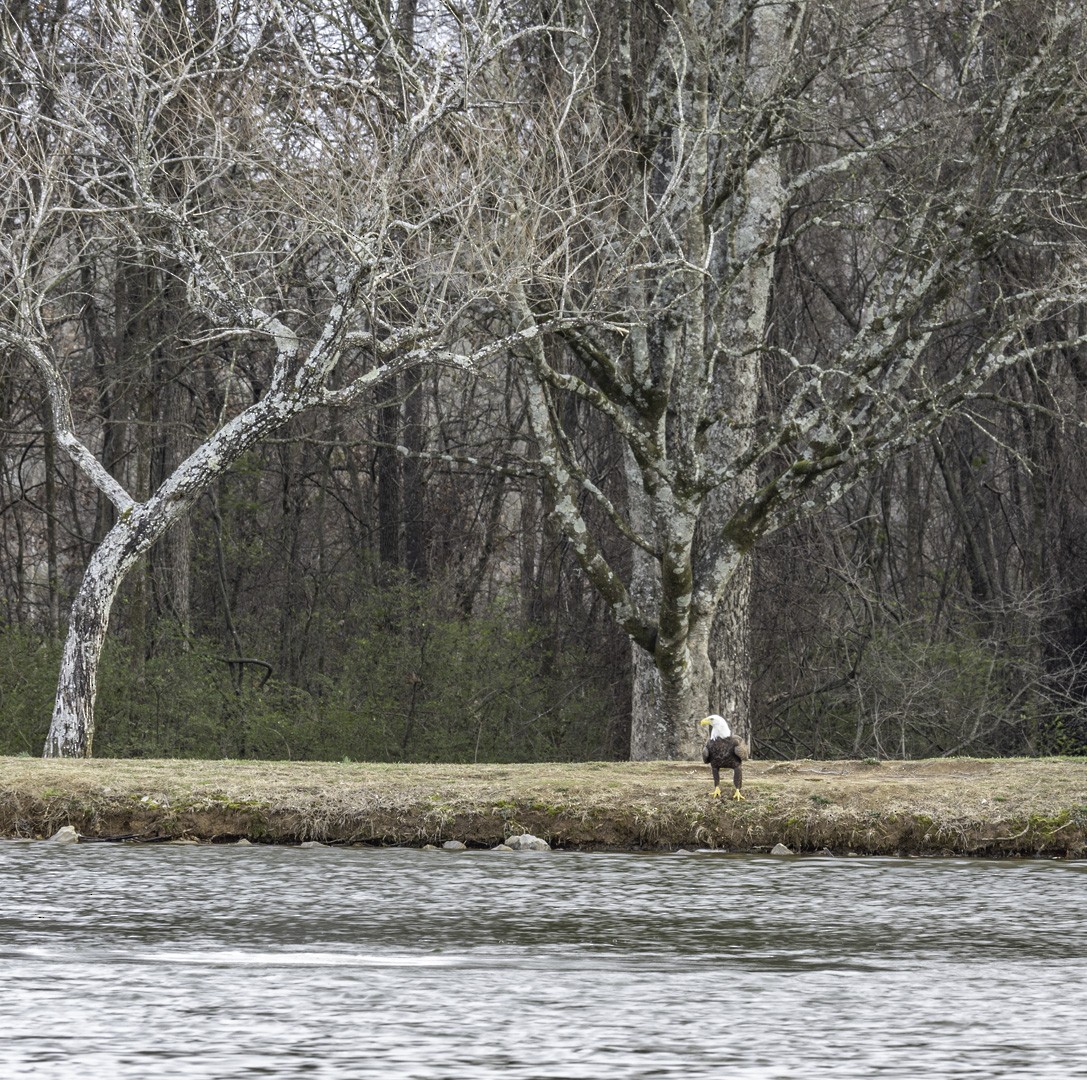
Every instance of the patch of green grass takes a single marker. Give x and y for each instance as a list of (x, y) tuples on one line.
[(237, 804)]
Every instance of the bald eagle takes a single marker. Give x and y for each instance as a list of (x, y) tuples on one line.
[(723, 750)]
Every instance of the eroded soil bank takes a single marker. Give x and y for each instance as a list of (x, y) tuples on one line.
[(953, 806)]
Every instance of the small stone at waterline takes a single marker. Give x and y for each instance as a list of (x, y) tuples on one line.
[(454, 845), (242, 843), (527, 842), (312, 843), (66, 834), (501, 847), (780, 849)]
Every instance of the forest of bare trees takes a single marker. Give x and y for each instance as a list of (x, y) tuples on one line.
[(444, 379)]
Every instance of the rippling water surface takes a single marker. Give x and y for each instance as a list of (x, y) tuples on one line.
[(219, 962)]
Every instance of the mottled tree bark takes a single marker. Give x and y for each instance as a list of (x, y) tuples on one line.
[(71, 732)]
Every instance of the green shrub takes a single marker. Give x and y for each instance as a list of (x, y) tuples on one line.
[(28, 684), (425, 684), (417, 681)]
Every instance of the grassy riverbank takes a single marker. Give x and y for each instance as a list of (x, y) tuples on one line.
[(957, 806)]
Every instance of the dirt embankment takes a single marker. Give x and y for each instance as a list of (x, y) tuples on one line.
[(950, 806)]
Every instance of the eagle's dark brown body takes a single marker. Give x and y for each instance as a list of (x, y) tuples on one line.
[(729, 752)]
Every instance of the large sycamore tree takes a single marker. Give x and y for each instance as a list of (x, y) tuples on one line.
[(222, 153), (671, 168)]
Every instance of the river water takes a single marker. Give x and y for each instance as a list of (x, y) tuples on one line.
[(170, 961)]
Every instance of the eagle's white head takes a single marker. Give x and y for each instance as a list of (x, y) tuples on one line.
[(718, 726)]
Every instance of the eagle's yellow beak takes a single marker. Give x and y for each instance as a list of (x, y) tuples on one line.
[(705, 723)]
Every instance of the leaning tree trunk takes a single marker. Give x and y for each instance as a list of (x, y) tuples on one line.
[(71, 733), (139, 525)]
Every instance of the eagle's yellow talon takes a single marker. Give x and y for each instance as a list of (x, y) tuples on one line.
[(737, 796), (717, 793)]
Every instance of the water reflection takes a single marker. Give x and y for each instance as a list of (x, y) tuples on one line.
[(224, 962)]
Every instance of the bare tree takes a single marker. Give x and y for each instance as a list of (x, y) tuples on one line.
[(663, 163), (283, 148)]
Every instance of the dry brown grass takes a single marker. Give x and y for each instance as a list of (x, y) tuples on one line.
[(942, 806)]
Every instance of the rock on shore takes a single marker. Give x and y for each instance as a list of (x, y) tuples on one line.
[(527, 842)]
